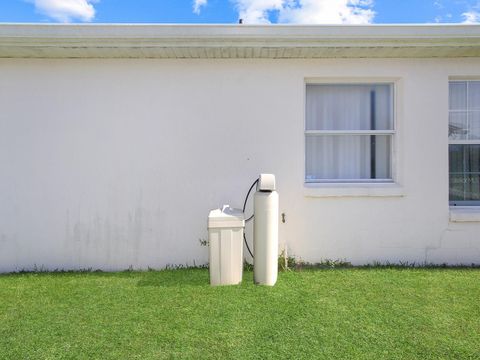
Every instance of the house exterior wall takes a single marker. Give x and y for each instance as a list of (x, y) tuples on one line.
[(110, 164)]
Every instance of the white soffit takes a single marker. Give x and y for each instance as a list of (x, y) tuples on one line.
[(237, 41)]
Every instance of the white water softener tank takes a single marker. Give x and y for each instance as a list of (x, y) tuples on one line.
[(265, 231), (225, 235)]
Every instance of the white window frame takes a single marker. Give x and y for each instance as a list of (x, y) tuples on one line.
[(349, 184), (461, 203)]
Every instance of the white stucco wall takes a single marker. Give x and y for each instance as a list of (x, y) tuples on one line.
[(115, 163)]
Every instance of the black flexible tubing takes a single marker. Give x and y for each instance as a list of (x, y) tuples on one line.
[(248, 194), (246, 244), (250, 218)]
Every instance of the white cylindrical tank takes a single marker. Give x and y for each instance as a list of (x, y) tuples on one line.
[(265, 237)]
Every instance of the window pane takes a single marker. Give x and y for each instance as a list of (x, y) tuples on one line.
[(464, 188), (464, 172), (474, 95), (474, 125), (457, 188), (464, 124), (456, 159), (349, 107), (458, 95), (472, 158), (348, 157), (457, 128)]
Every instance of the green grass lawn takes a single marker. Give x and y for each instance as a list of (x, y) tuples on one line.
[(311, 314)]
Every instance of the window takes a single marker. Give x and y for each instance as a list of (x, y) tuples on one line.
[(464, 142), (349, 132)]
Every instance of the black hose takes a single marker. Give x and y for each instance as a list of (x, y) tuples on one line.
[(246, 244), (250, 218), (248, 194)]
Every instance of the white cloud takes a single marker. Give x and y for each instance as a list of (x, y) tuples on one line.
[(471, 17), (441, 18), (439, 4), (197, 4), (66, 10), (328, 12), (256, 11), (306, 11)]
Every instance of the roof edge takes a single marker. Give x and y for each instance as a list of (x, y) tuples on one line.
[(232, 31), (98, 40)]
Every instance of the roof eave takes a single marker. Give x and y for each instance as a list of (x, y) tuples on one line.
[(237, 41)]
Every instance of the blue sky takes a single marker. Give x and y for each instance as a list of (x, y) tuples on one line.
[(252, 11)]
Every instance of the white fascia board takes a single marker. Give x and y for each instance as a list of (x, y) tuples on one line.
[(93, 37)]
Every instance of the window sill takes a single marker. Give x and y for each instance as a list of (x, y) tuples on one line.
[(353, 190), (465, 214)]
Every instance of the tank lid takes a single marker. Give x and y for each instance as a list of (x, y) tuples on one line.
[(226, 217), (266, 182)]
